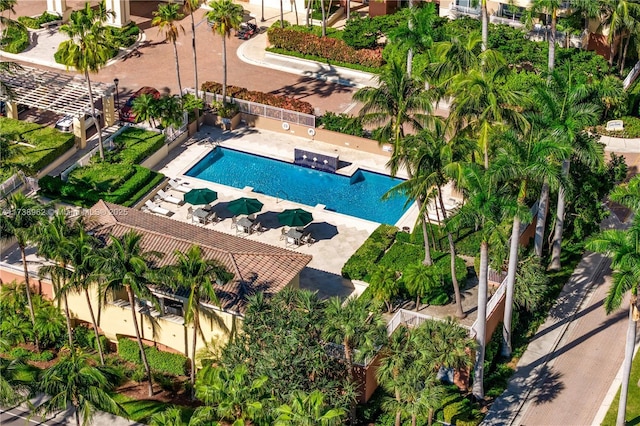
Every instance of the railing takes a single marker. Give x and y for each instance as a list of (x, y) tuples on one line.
[(279, 198), (262, 110), (173, 134), (630, 78), (473, 11), (11, 184), (409, 318)]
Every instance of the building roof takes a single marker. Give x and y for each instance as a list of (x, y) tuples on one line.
[(257, 267)]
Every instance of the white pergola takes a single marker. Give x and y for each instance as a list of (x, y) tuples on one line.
[(59, 93)]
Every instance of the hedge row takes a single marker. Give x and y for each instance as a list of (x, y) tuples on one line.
[(134, 145), (35, 23), (278, 101), (324, 47), (48, 143), (369, 253), (165, 362)]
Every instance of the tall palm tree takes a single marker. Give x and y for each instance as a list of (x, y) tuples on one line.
[(308, 410), (165, 19), (483, 105), (623, 246), (565, 110), (19, 219), (457, 55), (84, 260), (198, 275), (190, 6), (549, 8), (416, 35), (225, 16), (384, 286), (485, 209), (87, 49), (619, 16), (53, 243), (524, 162), (126, 266), (75, 381)]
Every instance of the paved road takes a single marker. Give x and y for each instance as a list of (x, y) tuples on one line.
[(155, 65), (569, 366), (20, 417)]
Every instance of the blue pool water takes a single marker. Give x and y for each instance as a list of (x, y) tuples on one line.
[(358, 196)]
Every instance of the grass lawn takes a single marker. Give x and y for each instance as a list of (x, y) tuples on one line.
[(633, 399), (142, 410)]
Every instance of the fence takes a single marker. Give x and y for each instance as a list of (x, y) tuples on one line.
[(262, 110), (11, 184), (172, 134)]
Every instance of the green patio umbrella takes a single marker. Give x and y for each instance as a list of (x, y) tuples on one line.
[(295, 217), (244, 206), (200, 196)]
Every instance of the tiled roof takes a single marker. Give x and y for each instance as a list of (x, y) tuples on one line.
[(256, 266)]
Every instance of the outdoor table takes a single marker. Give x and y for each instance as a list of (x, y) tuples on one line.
[(244, 223), (201, 214), (293, 236)]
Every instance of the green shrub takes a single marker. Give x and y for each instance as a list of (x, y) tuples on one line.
[(631, 129), (20, 353), (103, 177), (278, 101), (36, 23), (140, 177), (165, 362), (134, 145), (137, 374), (470, 422), (342, 123), (15, 39), (361, 33), (328, 48), (143, 190), (42, 356), (358, 265)]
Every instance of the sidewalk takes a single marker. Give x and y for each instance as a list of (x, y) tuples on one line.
[(569, 366)]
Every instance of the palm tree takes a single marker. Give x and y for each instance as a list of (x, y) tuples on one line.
[(191, 271), (420, 280), (308, 410), (53, 243), (384, 286), (483, 105), (623, 246), (146, 108), (20, 218), (566, 109), (168, 417), (416, 35), (83, 259), (126, 266), (87, 49), (457, 55), (588, 9), (620, 17), (484, 209), (549, 7), (524, 161), (171, 111), (17, 381), (225, 16), (395, 359), (75, 381), (165, 19), (190, 6), (353, 326)]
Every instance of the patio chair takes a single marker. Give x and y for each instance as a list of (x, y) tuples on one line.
[(234, 222), (179, 186), (208, 207), (169, 198), (257, 228), (154, 208), (307, 239), (190, 212), (283, 233), (214, 218)]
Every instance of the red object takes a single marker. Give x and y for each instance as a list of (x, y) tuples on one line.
[(126, 112)]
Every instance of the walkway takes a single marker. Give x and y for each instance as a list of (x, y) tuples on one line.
[(569, 366)]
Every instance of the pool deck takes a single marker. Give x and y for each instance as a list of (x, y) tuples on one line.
[(338, 236)]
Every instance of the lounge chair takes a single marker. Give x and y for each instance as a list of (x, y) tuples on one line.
[(234, 222), (179, 186), (154, 208), (169, 198)]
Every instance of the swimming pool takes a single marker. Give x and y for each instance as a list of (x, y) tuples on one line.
[(358, 196)]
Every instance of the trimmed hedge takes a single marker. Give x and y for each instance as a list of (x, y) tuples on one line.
[(278, 101), (155, 181), (165, 362), (324, 47), (103, 177), (358, 265), (134, 145), (48, 143)]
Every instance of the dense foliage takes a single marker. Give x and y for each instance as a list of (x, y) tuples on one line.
[(162, 361), (15, 38), (359, 264), (36, 23), (342, 123), (278, 101), (116, 39)]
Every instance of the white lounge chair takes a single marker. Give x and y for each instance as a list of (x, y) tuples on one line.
[(179, 186), (154, 208), (169, 198)]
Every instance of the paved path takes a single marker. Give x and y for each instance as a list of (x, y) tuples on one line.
[(20, 416), (571, 363)]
